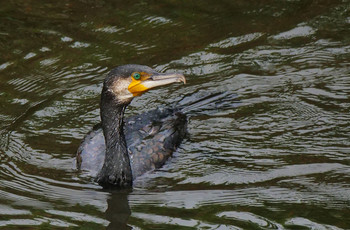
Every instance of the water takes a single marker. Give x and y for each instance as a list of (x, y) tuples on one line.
[(277, 159)]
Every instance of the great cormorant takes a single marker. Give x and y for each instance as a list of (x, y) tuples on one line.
[(118, 150)]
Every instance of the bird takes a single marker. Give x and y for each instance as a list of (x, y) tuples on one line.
[(119, 149)]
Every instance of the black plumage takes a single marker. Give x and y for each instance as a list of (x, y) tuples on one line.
[(118, 150)]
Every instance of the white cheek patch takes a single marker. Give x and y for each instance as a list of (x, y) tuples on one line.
[(121, 91)]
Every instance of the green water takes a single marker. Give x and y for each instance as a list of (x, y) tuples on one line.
[(278, 159)]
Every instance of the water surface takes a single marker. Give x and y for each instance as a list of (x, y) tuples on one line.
[(277, 157)]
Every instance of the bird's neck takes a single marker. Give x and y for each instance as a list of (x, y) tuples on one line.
[(116, 170)]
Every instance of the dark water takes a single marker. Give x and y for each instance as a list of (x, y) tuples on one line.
[(278, 159)]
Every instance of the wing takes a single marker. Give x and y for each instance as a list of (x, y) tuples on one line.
[(91, 152), (151, 139)]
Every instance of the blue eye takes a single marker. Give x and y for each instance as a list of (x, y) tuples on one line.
[(136, 76)]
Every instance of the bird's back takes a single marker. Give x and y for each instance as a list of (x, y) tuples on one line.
[(151, 138)]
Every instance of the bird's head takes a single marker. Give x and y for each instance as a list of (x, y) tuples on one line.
[(128, 81)]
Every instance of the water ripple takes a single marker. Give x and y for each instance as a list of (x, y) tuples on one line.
[(273, 156)]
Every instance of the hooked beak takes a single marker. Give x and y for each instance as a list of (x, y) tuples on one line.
[(155, 80), (163, 79)]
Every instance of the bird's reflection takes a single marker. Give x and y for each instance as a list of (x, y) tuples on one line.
[(118, 210)]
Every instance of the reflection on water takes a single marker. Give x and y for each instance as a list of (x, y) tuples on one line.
[(277, 159)]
